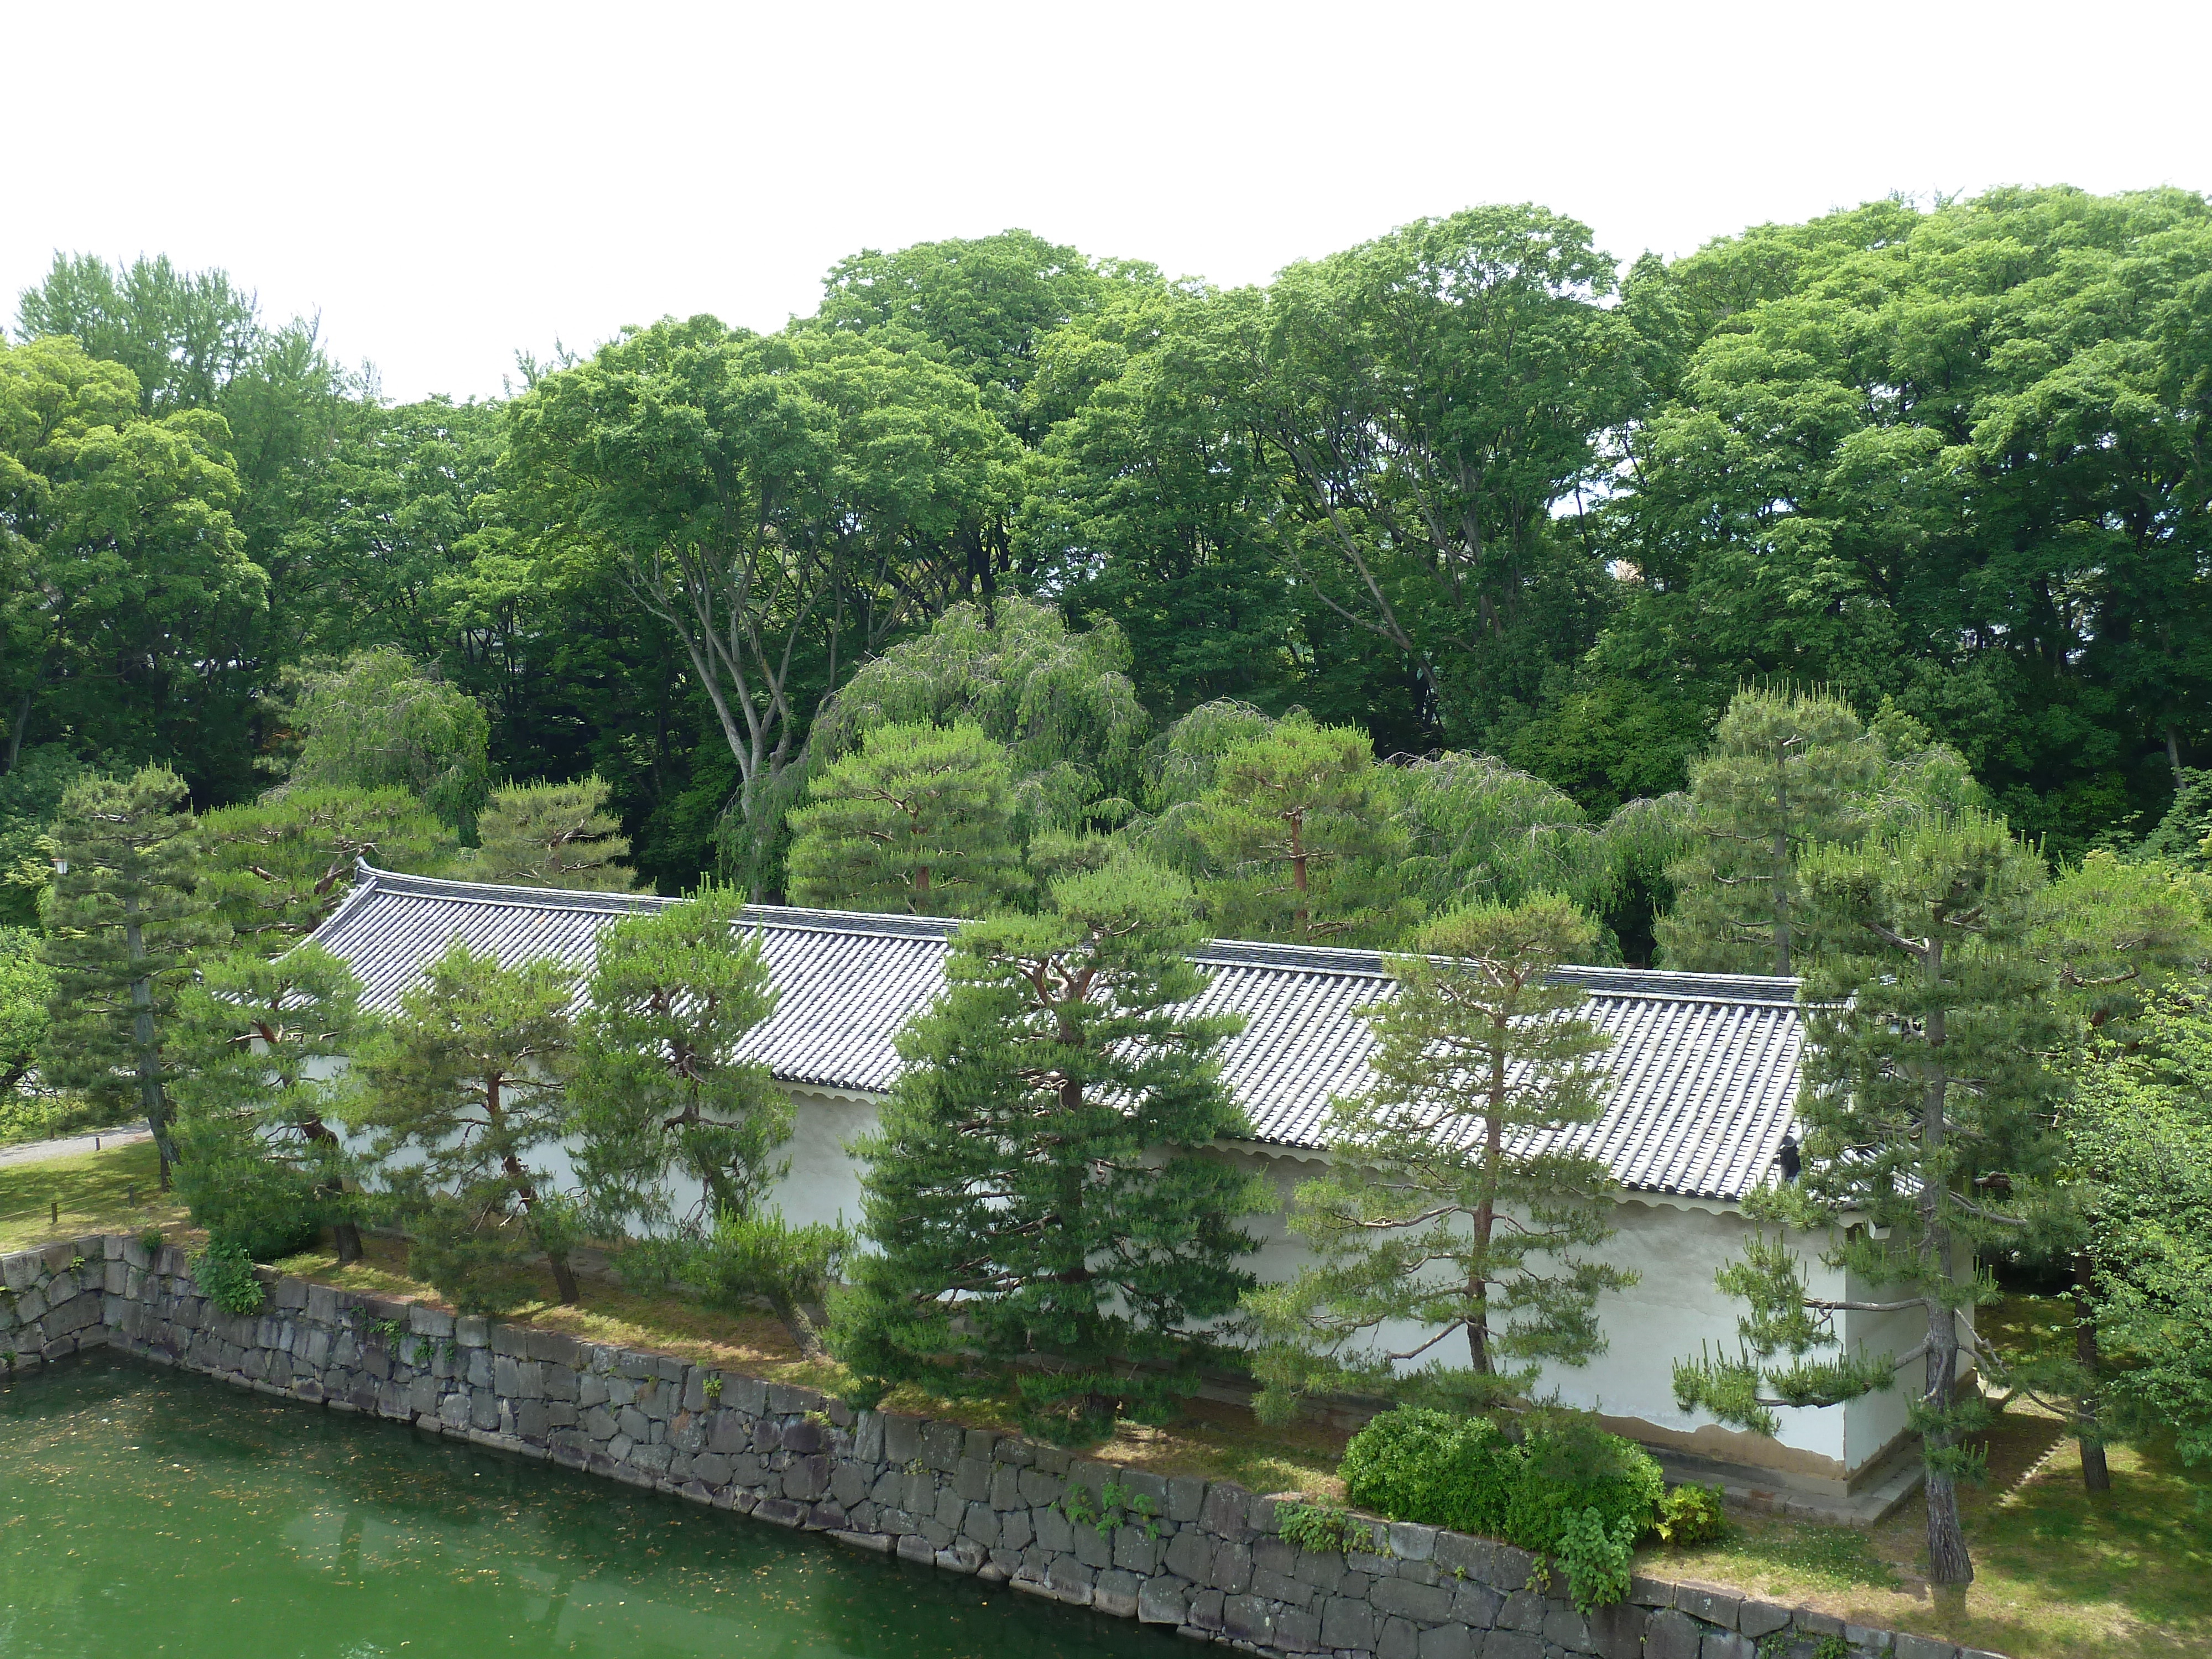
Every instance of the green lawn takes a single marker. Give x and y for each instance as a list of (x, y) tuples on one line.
[(2058, 1574), (2128, 1575), (94, 1192)]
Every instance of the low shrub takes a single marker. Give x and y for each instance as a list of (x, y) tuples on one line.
[(1596, 1558), (1317, 1527), (225, 1276), (1432, 1466), (1569, 1464), (1692, 1514), (1567, 1489)]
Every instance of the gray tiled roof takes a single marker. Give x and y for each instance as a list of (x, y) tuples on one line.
[(1705, 1064)]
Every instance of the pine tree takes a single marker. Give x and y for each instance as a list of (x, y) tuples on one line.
[(920, 820), (1037, 1185), (552, 834), (662, 1102), (1451, 1204), (1786, 769), (468, 1081), (258, 1083), (1925, 1098), (275, 869), (1298, 824), (123, 927)]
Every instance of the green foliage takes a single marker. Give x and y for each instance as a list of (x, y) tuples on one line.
[(1448, 1470), (551, 835), (774, 505), (1117, 1506), (918, 819), (1449, 1207), (224, 1273), (2140, 1125), (1595, 1557), (1151, 506), (1436, 1467), (123, 929), (1298, 829), (151, 1240), (1692, 1515), (127, 588), (983, 304), (1926, 1096), (1059, 701), (26, 986), (30, 795), (1317, 1526), (467, 1080), (1036, 1176), (257, 1048), (759, 1256), (2031, 350), (660, 1098), (2119, 936), (1786, 770), (1426, 398), (274, 870), (383, 721)]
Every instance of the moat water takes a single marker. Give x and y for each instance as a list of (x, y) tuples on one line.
[(144, 1512)]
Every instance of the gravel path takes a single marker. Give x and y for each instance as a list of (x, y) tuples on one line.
[(37, 1151)]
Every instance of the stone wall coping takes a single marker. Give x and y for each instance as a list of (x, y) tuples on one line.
[(1206, 1557)]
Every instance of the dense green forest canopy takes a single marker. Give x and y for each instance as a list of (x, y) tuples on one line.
[(1471, 486)]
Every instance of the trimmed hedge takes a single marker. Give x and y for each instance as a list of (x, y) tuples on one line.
[(1462, 1473)]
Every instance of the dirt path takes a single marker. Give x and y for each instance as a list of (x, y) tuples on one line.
[(38, 1152)]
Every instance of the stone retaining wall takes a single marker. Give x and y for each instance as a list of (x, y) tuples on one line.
[(1203, 1558)]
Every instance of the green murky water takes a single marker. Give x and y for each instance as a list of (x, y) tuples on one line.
[(145, 1513)]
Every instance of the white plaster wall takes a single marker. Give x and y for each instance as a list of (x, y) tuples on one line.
[(824, 1182), (1676, 1311), (1677, 1249)]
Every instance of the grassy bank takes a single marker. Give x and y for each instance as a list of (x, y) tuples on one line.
[(114, 1191), (2060, 1575)]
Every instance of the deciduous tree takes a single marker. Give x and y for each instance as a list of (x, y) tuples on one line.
[(383, 721)]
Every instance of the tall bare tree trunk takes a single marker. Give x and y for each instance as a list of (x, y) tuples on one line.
[(2096, 1473), (151, 1098), (1948, 1563)]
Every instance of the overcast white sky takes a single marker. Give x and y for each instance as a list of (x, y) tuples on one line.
[(447, 183)]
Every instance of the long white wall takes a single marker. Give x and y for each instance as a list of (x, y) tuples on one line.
[(1674, 1247), (1673, 1310)]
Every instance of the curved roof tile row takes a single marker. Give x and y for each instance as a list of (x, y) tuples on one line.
[(1705, 1065)]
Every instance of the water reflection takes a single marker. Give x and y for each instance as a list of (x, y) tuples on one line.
[(142, 1512)]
